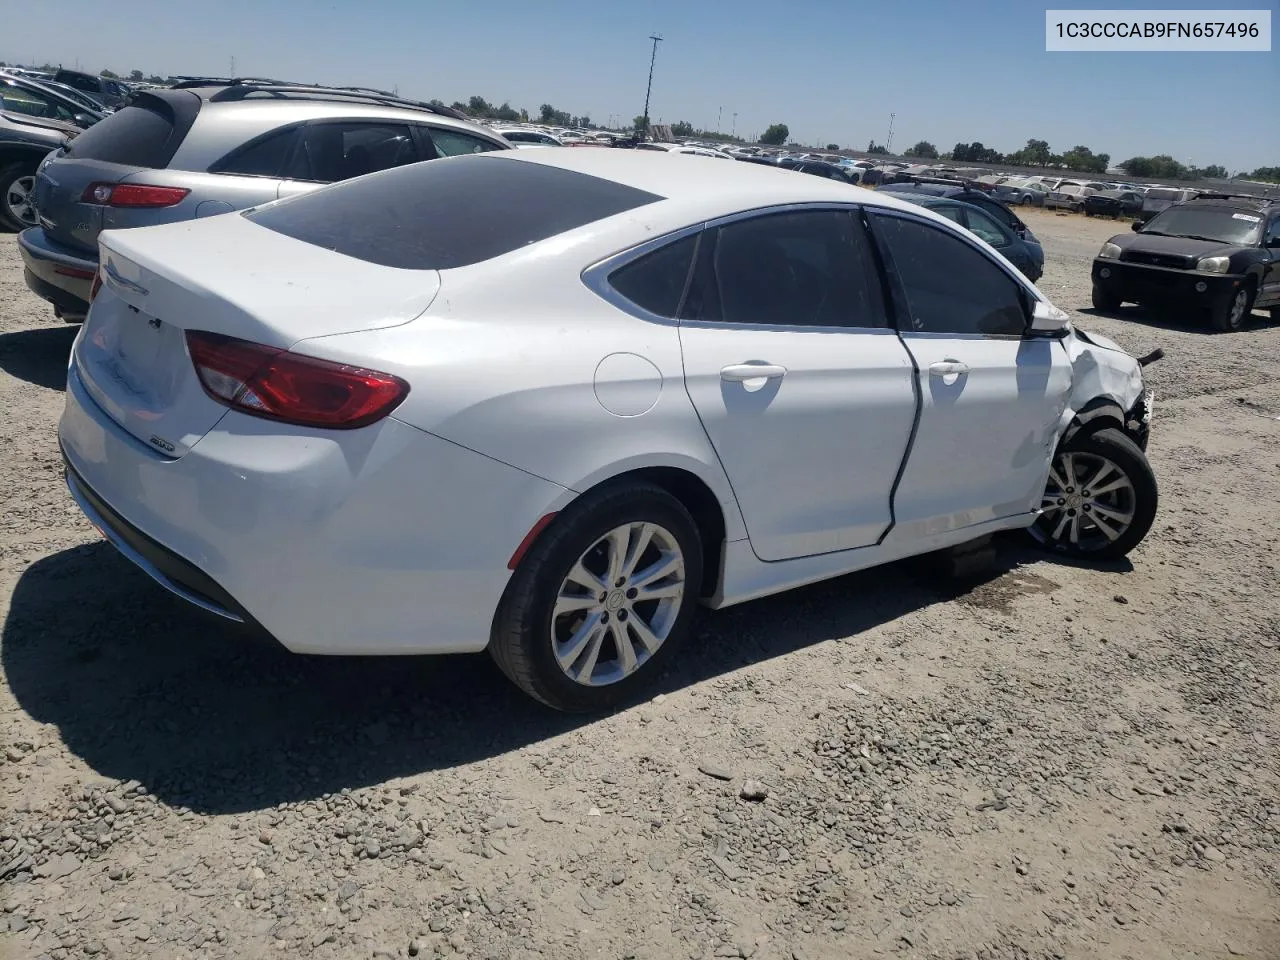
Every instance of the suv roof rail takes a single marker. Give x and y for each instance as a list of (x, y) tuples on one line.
[(966, 182), (239, 88), (1218, 195)]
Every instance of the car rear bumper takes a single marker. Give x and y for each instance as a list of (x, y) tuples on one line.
[(384, 540), (59, 274), (1141, 283)]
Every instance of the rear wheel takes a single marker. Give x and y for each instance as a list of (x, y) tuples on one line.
[(1101, 497), (1231, 315), (1104, 300), (602, 599), (17, 196)]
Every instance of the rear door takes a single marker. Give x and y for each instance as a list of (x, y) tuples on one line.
[(992, 397), (1269, 294), (328, 151), (140, 137), (804, 391)]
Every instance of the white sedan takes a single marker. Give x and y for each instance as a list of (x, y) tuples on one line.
[(544, 403)]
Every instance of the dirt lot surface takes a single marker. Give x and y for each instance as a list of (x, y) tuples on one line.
[(1056, 762)]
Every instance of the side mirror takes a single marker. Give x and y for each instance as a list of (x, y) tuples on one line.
[(1046, 318), (1135, 226), (1274, 243), (84, 121)]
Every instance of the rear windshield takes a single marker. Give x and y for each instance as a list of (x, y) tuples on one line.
[(448, 213), (1163, 194), (146, 133)]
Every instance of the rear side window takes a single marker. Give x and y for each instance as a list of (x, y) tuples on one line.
[(147, 133), (950, 286), (454, 143), (803, 269), (264, 158), (656, 281), (79, 80), (448, 213), (339, 151)]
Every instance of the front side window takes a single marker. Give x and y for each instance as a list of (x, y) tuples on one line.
[(33, 103), (330, 152), (809, 269), (453, 143), (950, 286)]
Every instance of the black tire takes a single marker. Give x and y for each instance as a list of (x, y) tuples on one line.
[(9, 220), (1231, 316), (1104, 300), (522, 641), (1113, 446)]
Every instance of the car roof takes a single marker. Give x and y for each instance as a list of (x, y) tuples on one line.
[(1231, 203), (694, 189)]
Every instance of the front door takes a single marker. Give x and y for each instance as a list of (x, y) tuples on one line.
[(993, 397), (804, 391)]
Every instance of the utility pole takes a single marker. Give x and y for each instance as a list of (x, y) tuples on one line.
[(719, 113), (233, 67), (649, 89), (889, 144), (734, 131)]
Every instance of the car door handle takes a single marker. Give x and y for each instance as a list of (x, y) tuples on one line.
[(947, 368), (738, 372)]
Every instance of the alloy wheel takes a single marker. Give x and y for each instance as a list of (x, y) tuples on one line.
[(19, 200), (618, 604), (1088, 503)]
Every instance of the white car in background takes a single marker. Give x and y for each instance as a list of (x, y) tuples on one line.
[(544, 402)]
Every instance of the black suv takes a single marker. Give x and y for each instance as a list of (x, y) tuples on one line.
[(1218, 255)]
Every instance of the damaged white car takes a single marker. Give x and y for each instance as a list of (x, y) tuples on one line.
[(544, 403)]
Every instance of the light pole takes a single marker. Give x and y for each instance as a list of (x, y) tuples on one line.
[(734, 131), (649, 89), (719, 114), (889, 143)]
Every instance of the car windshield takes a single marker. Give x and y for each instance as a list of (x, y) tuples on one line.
[(1210, 223), (1162, 194)]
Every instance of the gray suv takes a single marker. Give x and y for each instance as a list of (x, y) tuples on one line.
[(202, 149)]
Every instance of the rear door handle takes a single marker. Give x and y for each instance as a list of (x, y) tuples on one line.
[(948, 368), (738, 372)]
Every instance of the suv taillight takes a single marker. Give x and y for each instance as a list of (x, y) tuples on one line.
[(132, 195), (278, 385), (96, 285)]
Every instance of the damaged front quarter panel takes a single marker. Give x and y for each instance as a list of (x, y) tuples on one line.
[(1102, 374)]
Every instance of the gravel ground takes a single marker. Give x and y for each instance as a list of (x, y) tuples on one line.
[(1055, 762)]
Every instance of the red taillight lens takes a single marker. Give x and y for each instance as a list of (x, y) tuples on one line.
[(278, 385), (96, 286), (132, 195)]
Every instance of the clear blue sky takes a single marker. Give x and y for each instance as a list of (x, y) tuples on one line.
[(833, 72)]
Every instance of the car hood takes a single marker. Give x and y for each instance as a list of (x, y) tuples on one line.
[(1171, 246)]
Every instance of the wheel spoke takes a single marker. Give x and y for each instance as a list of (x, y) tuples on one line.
[(1119, 483), (1075, 529), (586, 579), (648, 639), (1108, 531), (587, 637), (1112, 514), (667, 564), (571, 603), (1061, 528), (626, 652), (616, 545), (1056, 477), (666, 591), (640, 540), (1106, 468)]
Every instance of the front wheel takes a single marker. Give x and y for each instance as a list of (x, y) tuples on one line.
[(1100, 500), (1104, 301), (602, 599), (1231, 315), (17, 196)]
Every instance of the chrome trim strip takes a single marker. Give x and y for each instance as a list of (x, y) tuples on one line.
[(138, 559)]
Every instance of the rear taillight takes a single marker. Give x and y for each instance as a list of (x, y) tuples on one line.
[(132, 195), (95, 286), (278, 385)]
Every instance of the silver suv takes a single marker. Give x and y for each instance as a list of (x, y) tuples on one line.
[(204, 148)]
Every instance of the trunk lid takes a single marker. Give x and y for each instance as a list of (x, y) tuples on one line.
[(224, 275)]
